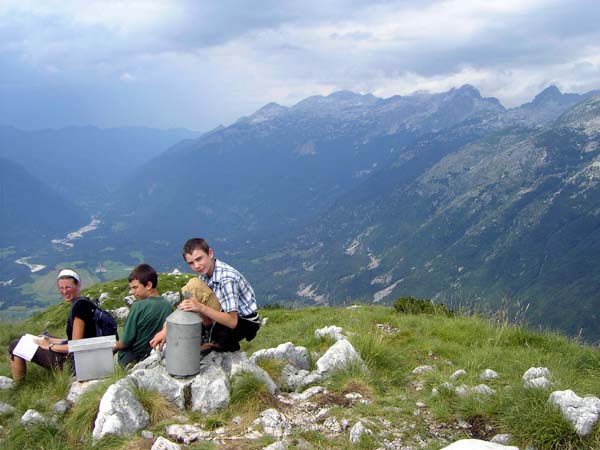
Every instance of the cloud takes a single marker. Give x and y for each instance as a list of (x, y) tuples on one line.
[(198, 64)]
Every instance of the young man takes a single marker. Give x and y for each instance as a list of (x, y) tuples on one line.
[(52, 352), (146, 315), (237, 318)]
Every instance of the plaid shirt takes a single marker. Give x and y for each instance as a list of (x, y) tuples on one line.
[(232, 289)]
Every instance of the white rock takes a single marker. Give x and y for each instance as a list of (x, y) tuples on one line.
[(357, 431), (295, 355), (79, 387), (422, 369), (476, 444), (279, 445), (273, 423), (537, 372), (120, 313), (164, 444), (31, 416), (5, 408), (582, 413), (339, 356), (334, 332), (489, 374), (456, 375), (210, 390), (5, 382), (503, 439), (537, 383), (119, 413), (186, 433), (483, 389)]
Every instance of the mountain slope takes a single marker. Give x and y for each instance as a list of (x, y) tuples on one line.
[(98, 160), (512, 215), (30, 211)]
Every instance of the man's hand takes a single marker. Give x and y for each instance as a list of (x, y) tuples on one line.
[(159, 338), (191, 304)]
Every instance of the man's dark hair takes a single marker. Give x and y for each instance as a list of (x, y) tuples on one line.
[(195, 244), (144, 273)]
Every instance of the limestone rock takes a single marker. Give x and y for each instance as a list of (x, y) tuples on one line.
[(210, 390), (186, 433), (357, 431), (340, 355), (582, 413), (334, 332), (422, 369), (60, 407), (31, 416), (537, 383), (503, 439), (119, 412), (293, 379), (120, 313), (489, 374), (296, 356), (279, 445), (164, 444), (78, 388), (6, 382), (238, 362), (476, 444), (5, 408), (456, 375), (273, 423), (160, 381), (172, 297), (537, 372)]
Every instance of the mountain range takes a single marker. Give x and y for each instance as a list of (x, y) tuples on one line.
[(351, 197)]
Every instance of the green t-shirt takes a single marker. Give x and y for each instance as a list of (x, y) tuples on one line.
[(146, 318)]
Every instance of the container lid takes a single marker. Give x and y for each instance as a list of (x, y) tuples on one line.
[(92, 343), (180, 317)]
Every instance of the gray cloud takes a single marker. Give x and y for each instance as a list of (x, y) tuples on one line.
[(198, 64)]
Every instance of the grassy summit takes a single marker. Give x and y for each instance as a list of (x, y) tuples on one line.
[(395, 400)]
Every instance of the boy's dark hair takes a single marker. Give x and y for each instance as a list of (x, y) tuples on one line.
[(195, 244), (144, 273)]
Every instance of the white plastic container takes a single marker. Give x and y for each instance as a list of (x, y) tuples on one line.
[(93, 357)]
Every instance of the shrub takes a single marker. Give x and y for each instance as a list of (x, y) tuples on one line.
[(411, 305)]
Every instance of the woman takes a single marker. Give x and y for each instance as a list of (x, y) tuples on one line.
[(52, 351)]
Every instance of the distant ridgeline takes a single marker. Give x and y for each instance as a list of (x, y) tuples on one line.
[(351, 197)]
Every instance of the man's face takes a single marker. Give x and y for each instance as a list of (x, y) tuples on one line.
[(68, 289), (138, 290), (201, 262)]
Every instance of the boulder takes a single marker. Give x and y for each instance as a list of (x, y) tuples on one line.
[(210, 390), (582, 413), (296, 356), (158, 380), (334, 332), (119, 413), (340, 355)]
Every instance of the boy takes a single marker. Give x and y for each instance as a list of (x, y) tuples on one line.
[(146, 315)]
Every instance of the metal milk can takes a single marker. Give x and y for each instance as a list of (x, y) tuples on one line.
[(184, 337)]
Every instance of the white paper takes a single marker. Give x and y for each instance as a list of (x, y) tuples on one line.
[(26, 347)]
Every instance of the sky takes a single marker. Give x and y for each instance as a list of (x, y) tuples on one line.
[(198, 64)]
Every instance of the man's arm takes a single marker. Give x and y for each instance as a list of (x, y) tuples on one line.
[(228, 319)]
